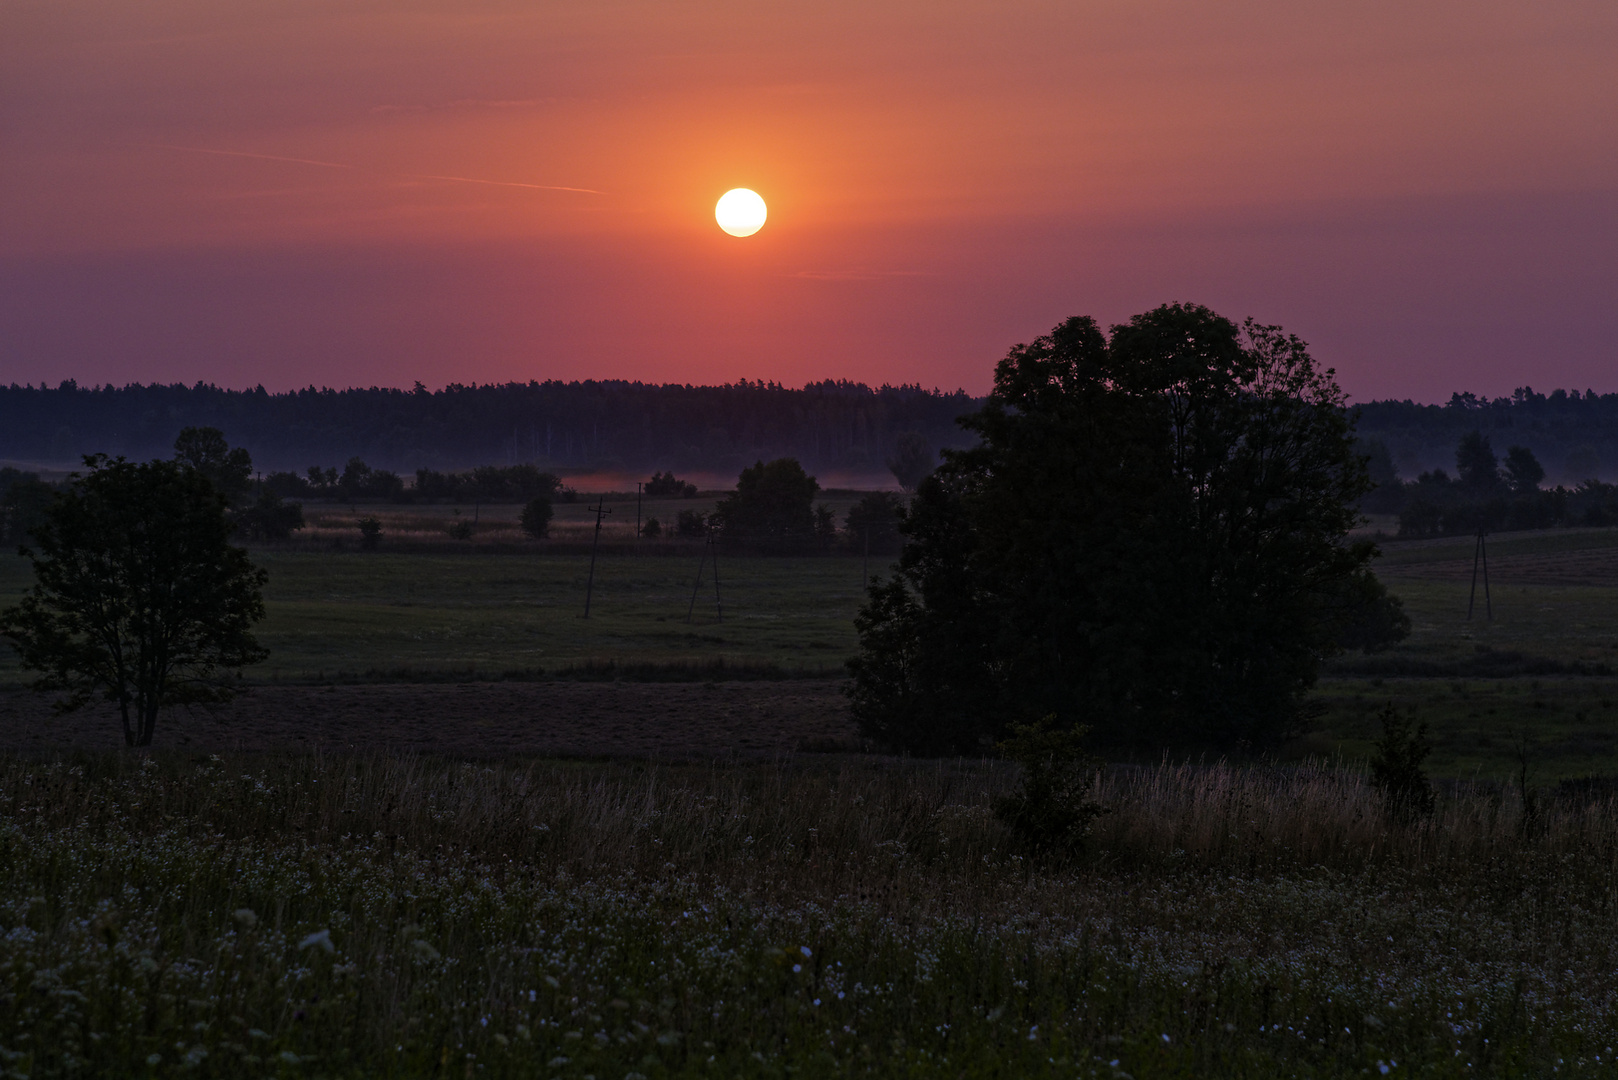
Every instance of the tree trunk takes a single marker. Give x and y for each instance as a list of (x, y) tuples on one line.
[(129, 732), (148, 723)]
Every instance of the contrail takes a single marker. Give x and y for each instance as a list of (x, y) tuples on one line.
[(261, 157), (505, 183)]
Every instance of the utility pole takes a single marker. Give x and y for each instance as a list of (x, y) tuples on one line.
[(1480, 552), (718, 605), (590, 585), (708, 545), (638, 485)]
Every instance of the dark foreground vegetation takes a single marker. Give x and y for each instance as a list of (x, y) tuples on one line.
[(403, 917)]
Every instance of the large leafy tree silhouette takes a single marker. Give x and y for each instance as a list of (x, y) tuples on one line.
[(1151, 539)]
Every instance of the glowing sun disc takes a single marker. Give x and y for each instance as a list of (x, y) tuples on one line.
[(740, 212)]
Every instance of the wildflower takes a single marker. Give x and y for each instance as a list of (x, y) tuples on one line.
[(805, 950), (154, 1059), (245, 917), (320, 939), (424, 950)]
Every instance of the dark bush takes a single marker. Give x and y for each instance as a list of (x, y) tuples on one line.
[(1396, 765), (536, 517), (269, 518), (665, 485), (1052, 811)]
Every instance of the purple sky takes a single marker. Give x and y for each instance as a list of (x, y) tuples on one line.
[(295, 193)]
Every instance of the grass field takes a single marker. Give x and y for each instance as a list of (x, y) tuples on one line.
[(828, 915), (1533, 683), (395, 917)]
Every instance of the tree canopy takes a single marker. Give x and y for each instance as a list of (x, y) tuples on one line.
[(1151, 539), (205, 450), (773, 501), (138, 597)]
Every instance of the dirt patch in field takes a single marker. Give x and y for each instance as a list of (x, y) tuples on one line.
[(660, 720)]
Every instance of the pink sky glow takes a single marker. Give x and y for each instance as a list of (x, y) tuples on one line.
[(296, 192)]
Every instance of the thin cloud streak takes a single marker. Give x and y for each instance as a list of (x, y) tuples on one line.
[(504, 183), (260, 157)]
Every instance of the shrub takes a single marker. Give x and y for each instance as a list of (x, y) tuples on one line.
[(370, 533), (269, 518), (461, 530), (1396, 766), (651, 529), (691, 523), (536, 517), (1052, 811)]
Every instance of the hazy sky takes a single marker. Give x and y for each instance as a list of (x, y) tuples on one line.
[(363, 193)]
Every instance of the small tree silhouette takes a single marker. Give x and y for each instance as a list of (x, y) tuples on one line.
[(1053, 810), (370, 533), (1396, 765)]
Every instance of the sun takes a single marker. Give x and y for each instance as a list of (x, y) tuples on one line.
[(740, 212)]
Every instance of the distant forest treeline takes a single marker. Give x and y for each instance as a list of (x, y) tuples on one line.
[(612, 424), (1574, 435), (557, 425)]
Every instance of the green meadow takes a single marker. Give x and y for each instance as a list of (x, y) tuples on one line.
[(1532, 685)]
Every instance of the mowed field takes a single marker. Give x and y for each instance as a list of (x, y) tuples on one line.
[(1534, 685), (441, 622)]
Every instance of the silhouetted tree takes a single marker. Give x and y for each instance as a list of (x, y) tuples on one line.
[(1477, 466), (1387, 493), (772, 502), (874, 521), (288, 485), (139, 597), (1523, 470), (1151, 540), (205, 450), (536, 517), (691, 523), (269, 518), (912, 460), (665, 485)]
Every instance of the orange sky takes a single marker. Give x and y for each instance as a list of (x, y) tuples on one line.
[(366, 193)]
